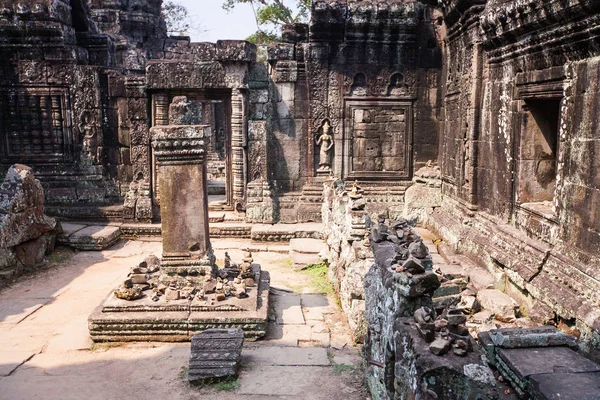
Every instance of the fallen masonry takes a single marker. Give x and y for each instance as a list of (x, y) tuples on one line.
[(413, 351), (542, 363), (215, 355)]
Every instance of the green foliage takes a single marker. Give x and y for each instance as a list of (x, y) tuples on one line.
[(260, 37), (271, 14), (183, 374), (319, 279), (227, 385), (339, 369)]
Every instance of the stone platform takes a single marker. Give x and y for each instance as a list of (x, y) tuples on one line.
[(117, 320)]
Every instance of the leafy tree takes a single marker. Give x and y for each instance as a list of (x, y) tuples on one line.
[(178, 19), (271, 14)]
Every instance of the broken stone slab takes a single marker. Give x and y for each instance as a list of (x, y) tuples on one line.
[(511, 338), (565, 386), (529, 361), (502, 305), (215, 355), (95, 237)]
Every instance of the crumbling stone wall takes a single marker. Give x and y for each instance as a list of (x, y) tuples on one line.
[(518, 153), (348, 254)]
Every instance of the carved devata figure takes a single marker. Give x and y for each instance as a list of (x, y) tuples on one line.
[(325, 141), (88, 127)]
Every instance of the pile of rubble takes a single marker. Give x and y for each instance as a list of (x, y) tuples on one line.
[(146, 279), (415, 349)]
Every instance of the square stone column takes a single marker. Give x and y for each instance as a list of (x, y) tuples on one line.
[(181, 172)]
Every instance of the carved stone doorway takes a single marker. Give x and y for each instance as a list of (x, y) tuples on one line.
[(212, 107)]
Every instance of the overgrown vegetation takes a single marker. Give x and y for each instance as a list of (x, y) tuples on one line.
[(227, 385), (319, 280), (339, 369), (270, 15)]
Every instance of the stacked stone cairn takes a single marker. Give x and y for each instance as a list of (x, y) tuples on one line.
[(411, 348), (146, 279)]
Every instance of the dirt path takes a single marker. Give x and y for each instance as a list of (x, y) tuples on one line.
[(45, 351)]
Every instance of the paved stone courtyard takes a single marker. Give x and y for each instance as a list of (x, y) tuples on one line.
[(45, 350)]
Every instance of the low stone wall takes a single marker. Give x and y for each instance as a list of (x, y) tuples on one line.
[(348, 251), (27, 235), (413, 353)]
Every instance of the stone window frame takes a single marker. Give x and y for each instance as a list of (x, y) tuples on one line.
[(67, 156), (537, 85), (347, 137)]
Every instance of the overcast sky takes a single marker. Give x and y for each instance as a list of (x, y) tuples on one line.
[(220, 24), (237, 24)]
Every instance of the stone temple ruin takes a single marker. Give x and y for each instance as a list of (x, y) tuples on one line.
[(473, 119)]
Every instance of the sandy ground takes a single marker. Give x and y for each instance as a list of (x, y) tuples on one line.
[(46, 353)]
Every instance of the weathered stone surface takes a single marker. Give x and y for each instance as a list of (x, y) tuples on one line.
[(502, 305), (95, 237), (27, 235), (215, 354)]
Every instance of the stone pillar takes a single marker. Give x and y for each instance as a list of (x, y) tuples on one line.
[(237, 146), (180, 152)]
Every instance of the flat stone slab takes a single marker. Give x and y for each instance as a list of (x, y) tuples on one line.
[(215, 354), (545, 360), (307, 356), (306, 246), (288, 308), (10, 360), (302, 260), (69, 229), (95, 237), (502, 305), (291, 380), (569, 386), (15, 311)]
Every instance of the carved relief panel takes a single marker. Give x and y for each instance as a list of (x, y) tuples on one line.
[(378, 139), (34, 125)]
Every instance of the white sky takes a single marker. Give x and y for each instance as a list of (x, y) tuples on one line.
[(220, 24)]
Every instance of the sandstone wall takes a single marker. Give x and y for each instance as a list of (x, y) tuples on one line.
[(518, 154)]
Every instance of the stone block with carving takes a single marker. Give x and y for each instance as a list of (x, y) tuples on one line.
[(215, 355)]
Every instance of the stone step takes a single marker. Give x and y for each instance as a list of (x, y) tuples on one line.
[(306, 246), (303, 260), (89, 237), (235, 229)]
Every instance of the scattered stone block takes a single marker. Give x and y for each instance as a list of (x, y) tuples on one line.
[(511, 338), (172, 294), (215, 355), (502, 305), (95, 237), (440, 346)]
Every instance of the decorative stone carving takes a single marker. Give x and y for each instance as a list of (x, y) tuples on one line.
[(325, 143)]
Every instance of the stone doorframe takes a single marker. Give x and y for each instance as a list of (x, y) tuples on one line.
[(169, 77), (160, 102)]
